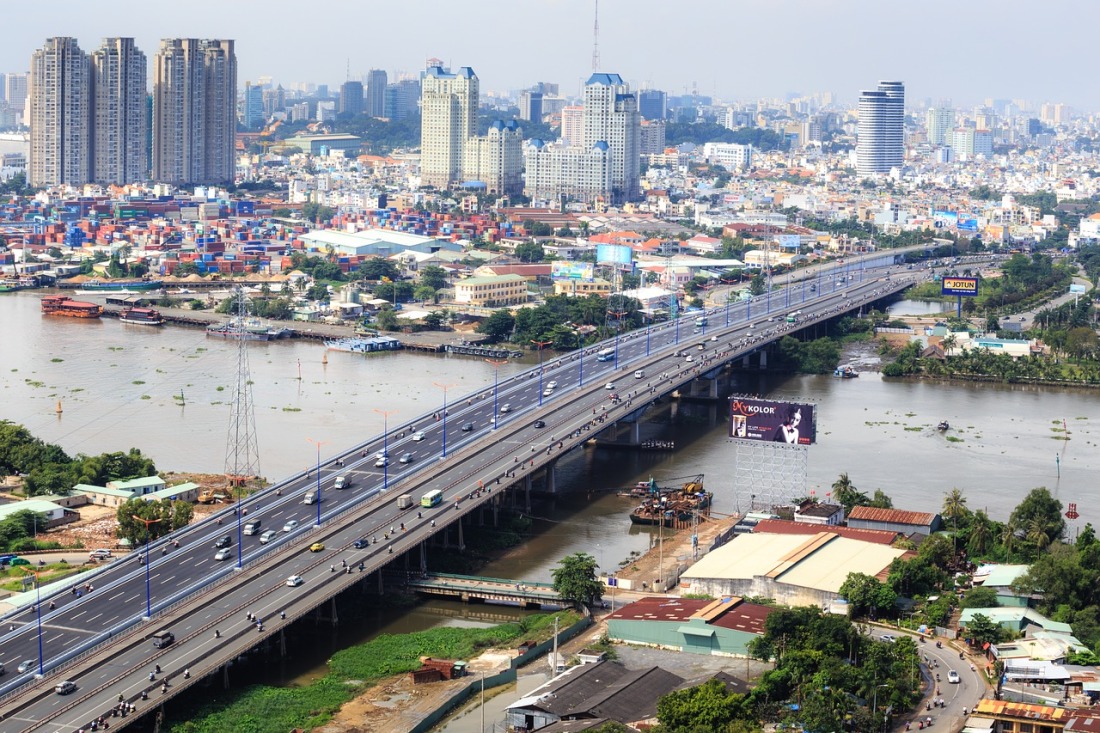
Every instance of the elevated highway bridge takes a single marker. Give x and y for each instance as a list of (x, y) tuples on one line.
[(469, 450)]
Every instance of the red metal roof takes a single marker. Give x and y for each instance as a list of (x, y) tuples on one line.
[(892, 516), (739, 615), (785, 526)]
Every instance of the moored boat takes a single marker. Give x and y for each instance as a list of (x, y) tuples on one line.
[(944, 426), (845, 372), (141, 316), (234, 330), (363, 344), (63, 305)]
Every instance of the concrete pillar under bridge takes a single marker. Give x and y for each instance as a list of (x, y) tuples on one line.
[(551, 484), (763, 359)]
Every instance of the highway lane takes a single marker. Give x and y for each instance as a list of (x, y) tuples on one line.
[(194, 558)]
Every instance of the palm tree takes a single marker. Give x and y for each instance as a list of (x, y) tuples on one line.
[(981, 534), (954, 506), (1038, 533)]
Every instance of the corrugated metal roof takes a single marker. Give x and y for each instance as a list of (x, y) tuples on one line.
[(786, 526), (892, 516)]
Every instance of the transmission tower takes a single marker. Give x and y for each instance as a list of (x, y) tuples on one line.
[(242, 451), (596, 39)]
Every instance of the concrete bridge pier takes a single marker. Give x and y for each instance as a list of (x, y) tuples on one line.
[(282, 642), (381, 590), (335, 620), (551, 477), (527, 492), (225, 676), (763, 359), (745, 361), (423, 557), (461, 539)]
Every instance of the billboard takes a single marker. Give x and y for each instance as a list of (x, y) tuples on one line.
[(614, 254), (945, 218), (964, 286), (967, 223), (772, 421), (789, 241), (561, 270), (1077, 288)]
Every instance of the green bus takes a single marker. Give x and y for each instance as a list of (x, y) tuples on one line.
[(432, 498)]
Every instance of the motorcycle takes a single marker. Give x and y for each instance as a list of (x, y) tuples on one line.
[(939, 645)]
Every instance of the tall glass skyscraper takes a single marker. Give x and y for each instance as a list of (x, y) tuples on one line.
[(881, 143)]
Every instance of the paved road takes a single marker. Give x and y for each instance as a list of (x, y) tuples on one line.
[(117, 599)]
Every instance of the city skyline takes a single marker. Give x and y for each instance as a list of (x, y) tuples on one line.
[(962, 52)]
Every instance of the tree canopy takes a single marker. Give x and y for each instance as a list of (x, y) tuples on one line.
[(164, 516), (575, 579)]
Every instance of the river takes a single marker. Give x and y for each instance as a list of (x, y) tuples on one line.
[(118, 386)]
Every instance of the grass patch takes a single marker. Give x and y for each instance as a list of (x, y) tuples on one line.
[(953, 439), (261, 709), (57, 360), (914, 430), (292, 409), (34, 383), (219, 389), (146, 397), (137, 381)]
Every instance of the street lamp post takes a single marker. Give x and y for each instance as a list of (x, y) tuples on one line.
[(729, 298), (317, 494), (148, 559), (497, 364), (540, 344), (38, 611), (385, 447), (618, 327), (648, 323), (444, 387)]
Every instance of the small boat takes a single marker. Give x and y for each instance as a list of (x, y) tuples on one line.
[(10, 285), (943, 426), (63, 305), (845, 372), (141, 316)]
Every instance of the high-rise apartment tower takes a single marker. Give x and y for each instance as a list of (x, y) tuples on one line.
[(120, 113), (60, 92), (881, 142)]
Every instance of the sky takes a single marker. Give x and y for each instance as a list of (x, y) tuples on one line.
[(959, 50)]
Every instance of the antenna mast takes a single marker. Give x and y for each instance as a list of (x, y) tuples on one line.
[(596, 39)]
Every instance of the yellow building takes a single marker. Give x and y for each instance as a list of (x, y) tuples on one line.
[(581, 288), (492, 292)]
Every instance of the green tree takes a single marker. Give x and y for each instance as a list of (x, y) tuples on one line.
[(1039, 518), (868, 595), (709, 707), (386, 319), (980, 597), (498, 326), (530, 252), (575, 579), (846, 494), (433, 276), (758, 284), (318, 292), (377, 268), (982, 630), (169, 515), (434, 321), (317, 213)]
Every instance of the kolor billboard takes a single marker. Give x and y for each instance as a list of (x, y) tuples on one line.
[(772, 421)]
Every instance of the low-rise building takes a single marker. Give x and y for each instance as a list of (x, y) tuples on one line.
[(1018, 717), (152, 488), (492, 291), (812, 512), (55, 515), (894, 520), (582, 288), (722, 628)]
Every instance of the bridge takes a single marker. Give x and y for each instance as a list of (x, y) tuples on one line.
[(468, 450), (467, 588)]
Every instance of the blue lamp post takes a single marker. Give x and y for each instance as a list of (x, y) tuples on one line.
[(38, 609), (444, 387), (540, 344), (317, 495), (148, 560)]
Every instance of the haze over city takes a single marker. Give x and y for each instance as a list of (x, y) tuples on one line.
[(964, 52)]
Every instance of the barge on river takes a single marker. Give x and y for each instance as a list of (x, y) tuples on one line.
[(63, 305), (671, 507), (141, 316)]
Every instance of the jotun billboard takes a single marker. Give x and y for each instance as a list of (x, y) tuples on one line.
[(965, 286), (772, 421)]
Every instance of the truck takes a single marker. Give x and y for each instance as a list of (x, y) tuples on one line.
[(310, 498), (405, 501)]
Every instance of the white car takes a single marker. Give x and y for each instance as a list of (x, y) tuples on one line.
[(552, 384), (290, 526), (505, 408), (382, 462), (381, 454), (223, 554), (609, 385), (953, 677), (268, 536), (99, 554), (294, 581), (547, 392), (418, 436), (690, 358)]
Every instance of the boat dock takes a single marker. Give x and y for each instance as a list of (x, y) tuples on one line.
[(492, 352)]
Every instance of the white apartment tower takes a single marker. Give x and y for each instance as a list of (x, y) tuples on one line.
[(448, 109), (939, 123), (611, 115), (119, 117), (194, 111), (881, 143), (15, 94), (496, 158), (60, 94)]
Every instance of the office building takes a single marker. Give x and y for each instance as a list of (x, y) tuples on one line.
[(652, 104), (351, 98), (252, 106), (730, 156), (968, 142), (530, 106), (194, 95), (448, 109), (274, 101), (120, 121), (374, 103), (652, 140), (15, 94), (611, 116), (881, 142), (939, 122), (401, 99), (60, 93)]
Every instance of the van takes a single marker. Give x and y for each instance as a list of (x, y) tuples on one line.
[(405, 501), (162, 639), (640, 374), (340, 482), (310, 498), (252, 527)]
